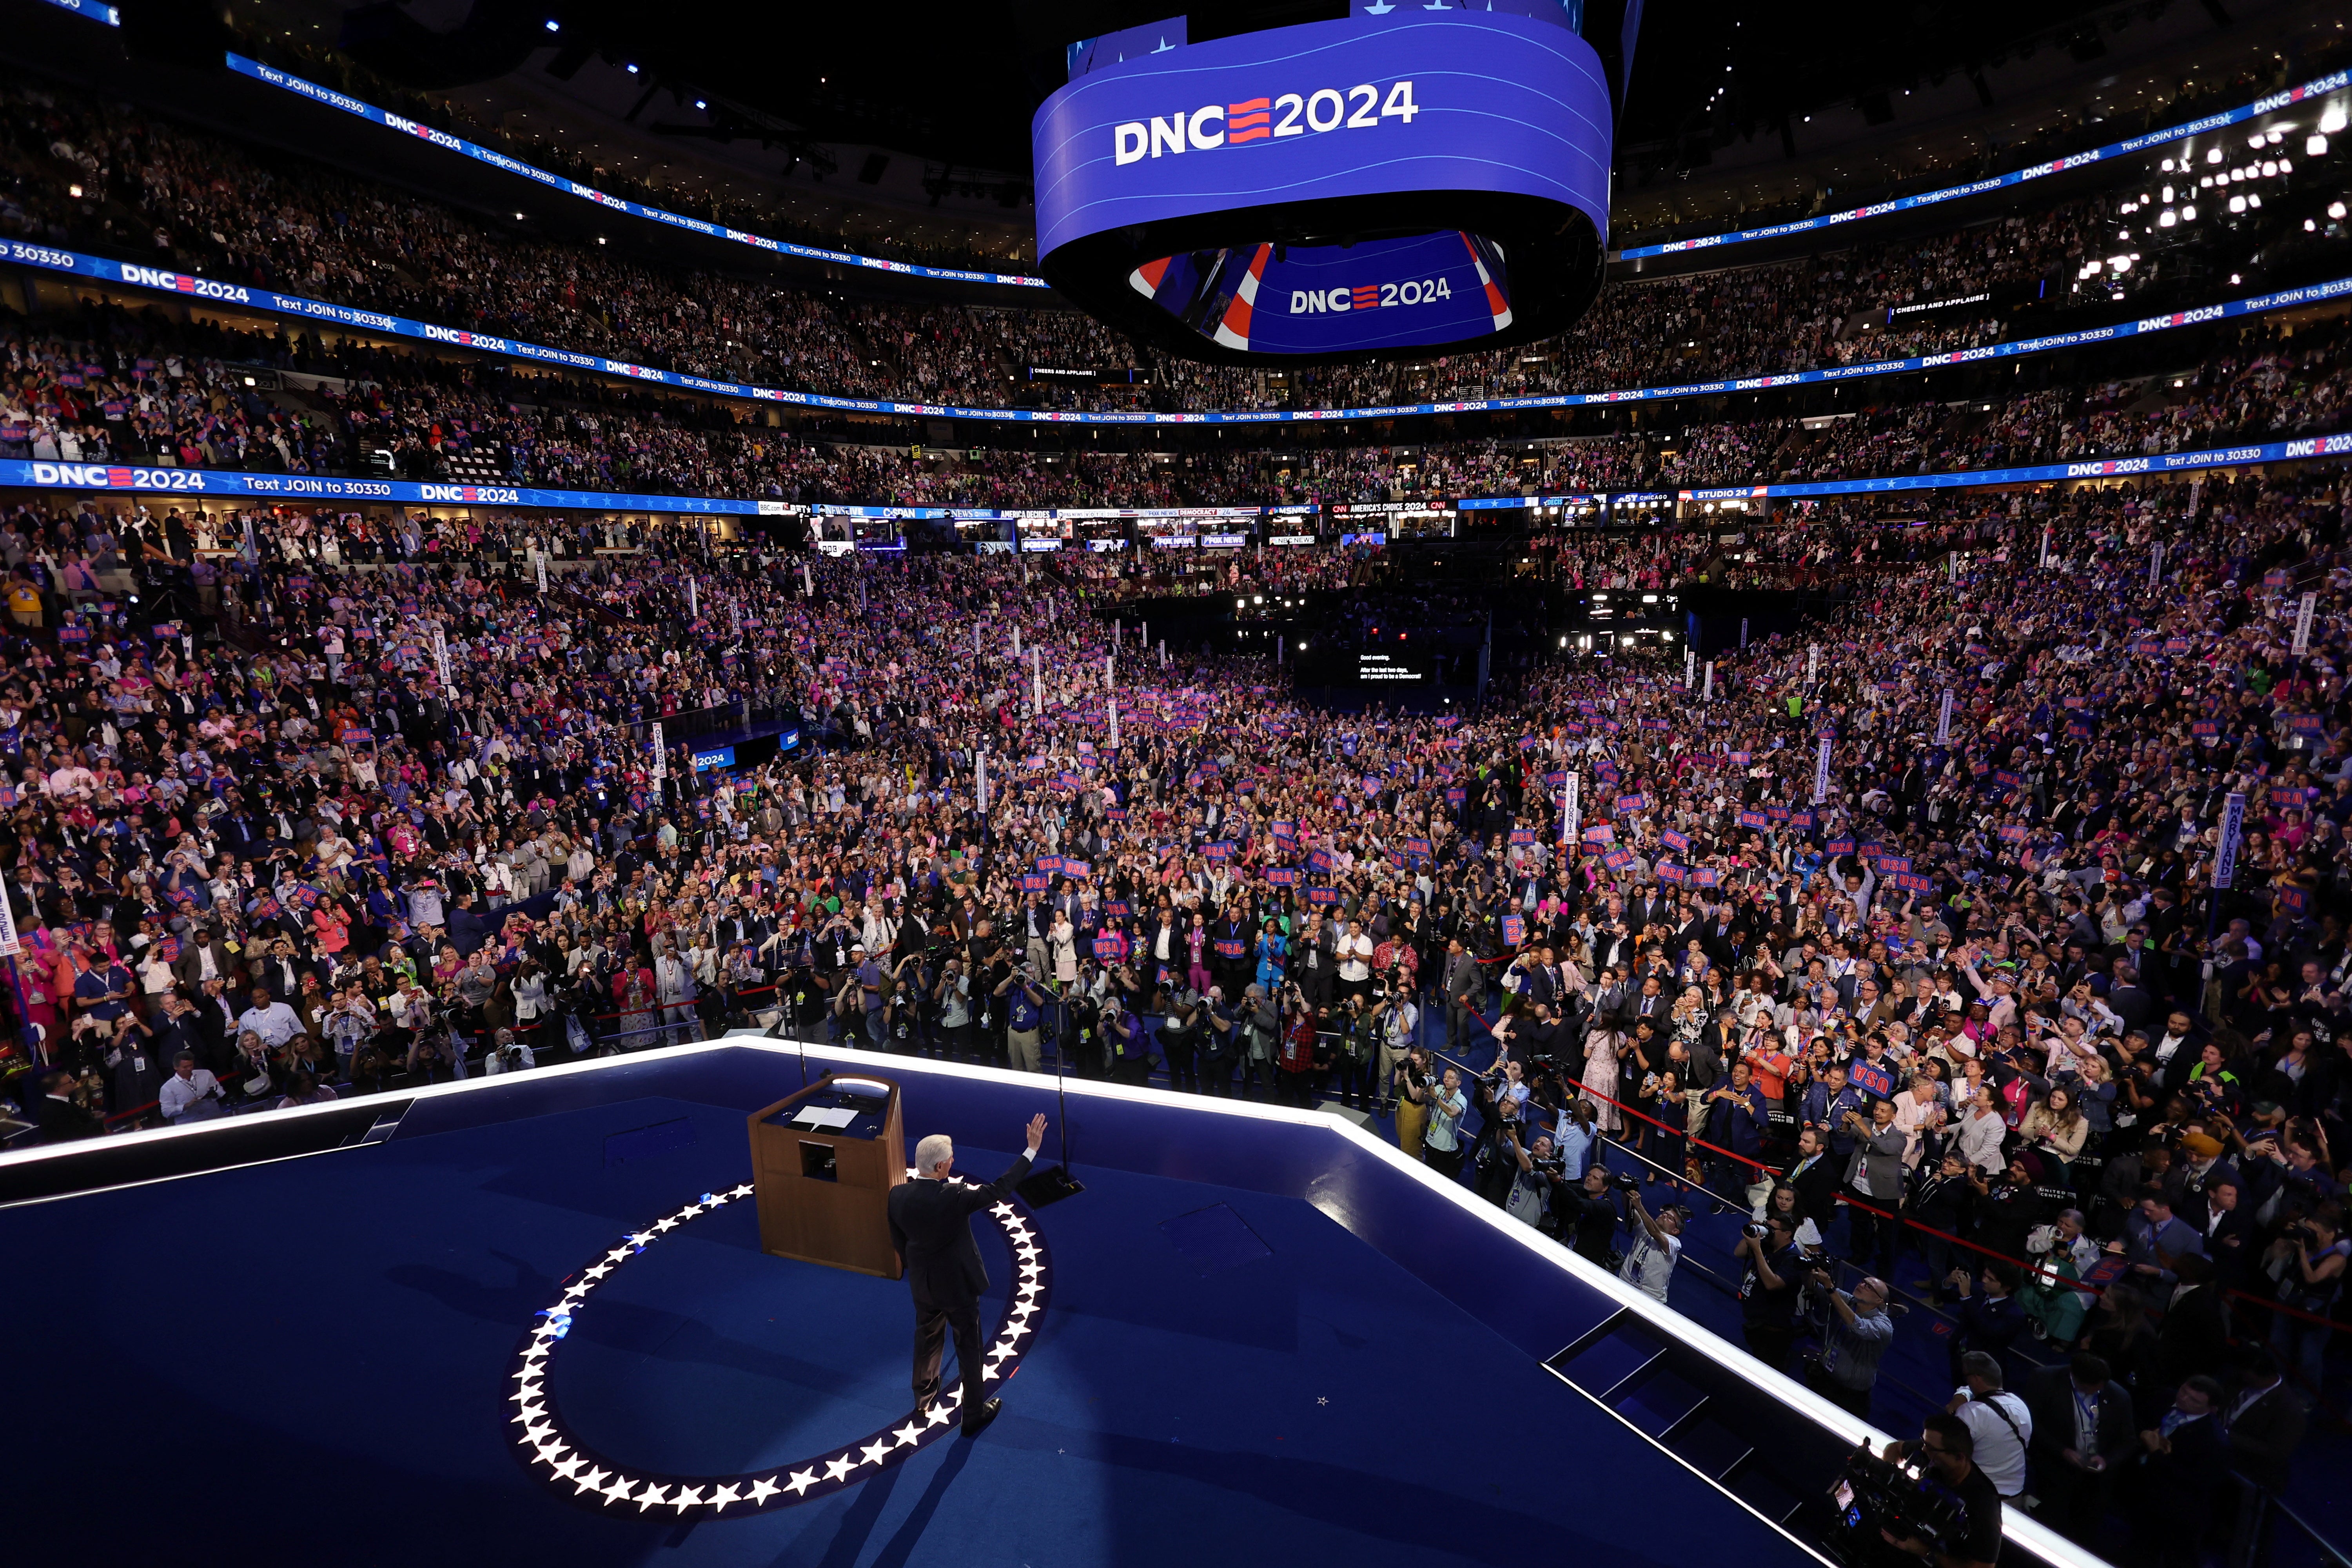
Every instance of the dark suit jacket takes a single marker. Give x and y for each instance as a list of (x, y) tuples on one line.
[(2180, 1486), (931, 1225), (2195, 1335), (2051, 1397), (2263, 1433), (62, 1121), (189, 969), (1817, 1190), (1463, 984)]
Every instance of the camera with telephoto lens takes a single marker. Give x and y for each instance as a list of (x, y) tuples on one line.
[(1627, 1181), (1755, 1230), (1873, 1495)]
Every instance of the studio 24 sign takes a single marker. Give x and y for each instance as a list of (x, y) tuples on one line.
[(1256, 120)]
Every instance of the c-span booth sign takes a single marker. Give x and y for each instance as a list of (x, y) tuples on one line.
[(1403, 179)]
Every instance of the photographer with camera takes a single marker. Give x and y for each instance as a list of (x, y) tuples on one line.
[(1179, 1036), (1025, 1016), (1854, 1334), (1771, 1290), (508, 1053), (1441, 1141), (1294, 1058), (952, 997), (1353, 1053), (1536, 1176), (1947, 1453), (1657, 1244), (2307, 1261), (1589, 1211), (1409, 1089), (1395, 1023)]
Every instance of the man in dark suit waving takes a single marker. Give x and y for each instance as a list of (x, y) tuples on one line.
[(930, 1226)]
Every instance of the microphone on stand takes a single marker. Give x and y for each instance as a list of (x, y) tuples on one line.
[(1055, 1182)]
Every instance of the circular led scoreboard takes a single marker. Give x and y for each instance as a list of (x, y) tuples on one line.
[(1409, 179)]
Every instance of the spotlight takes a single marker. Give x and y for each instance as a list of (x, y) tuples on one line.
[(632, 70), (2237, 204), (2335, 210), (553, 26), (2315, 146)]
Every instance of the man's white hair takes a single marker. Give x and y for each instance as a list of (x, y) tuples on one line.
[(938, 1146)]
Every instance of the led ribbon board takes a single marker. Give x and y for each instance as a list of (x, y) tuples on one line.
[(102, 268), (1406, 178)]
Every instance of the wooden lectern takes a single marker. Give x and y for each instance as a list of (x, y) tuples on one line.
[(824, 1185)]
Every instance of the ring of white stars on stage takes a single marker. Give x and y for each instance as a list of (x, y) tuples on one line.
[(547, 1450)]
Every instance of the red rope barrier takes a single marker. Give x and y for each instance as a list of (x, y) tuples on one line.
[(2038, 1270)]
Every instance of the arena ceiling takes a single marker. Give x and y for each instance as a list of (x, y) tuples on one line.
[(957, 83)]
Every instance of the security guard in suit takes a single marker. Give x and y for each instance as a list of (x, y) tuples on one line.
[(930, 1226)]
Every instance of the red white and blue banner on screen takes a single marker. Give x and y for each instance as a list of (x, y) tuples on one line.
[(100, 268)]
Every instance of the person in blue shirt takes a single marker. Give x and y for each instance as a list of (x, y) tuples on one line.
[(1271, 952), (1843, 1098), (103, 989), (1024, 1011), (1813, 1109), (1576, 1139), (1736, 1120)]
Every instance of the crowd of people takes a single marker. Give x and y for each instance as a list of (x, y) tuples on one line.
[(1907, 934), (105, 385), (1963, 1012), (141, 187)]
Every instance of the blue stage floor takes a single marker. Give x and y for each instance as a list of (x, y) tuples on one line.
[(303, 1362)]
